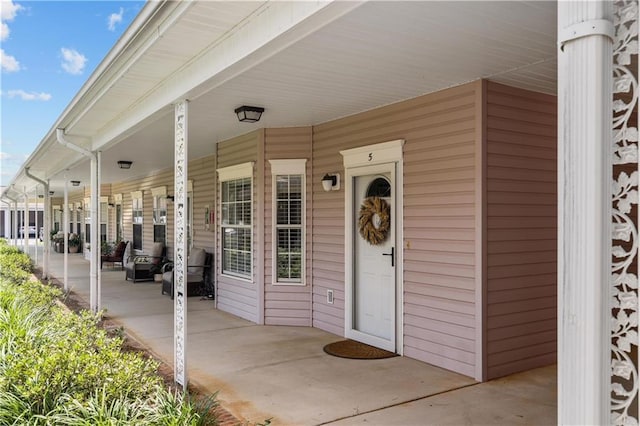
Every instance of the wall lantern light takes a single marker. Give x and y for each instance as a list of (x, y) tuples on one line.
[(331, 182), (52, 192), (123, 164), (75, 182), (249, 114), (171, 198)]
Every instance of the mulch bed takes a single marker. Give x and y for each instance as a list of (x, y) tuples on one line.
[(76, 304)]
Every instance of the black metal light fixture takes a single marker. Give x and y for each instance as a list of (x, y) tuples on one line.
[(75, 182), (52, 192), (249, 114), (124, 164), (331, 182), (171, 198)]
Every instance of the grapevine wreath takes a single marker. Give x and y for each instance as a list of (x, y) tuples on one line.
[(374, 220)]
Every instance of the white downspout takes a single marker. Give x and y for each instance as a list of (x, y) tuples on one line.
[(46, 225), (94, 298), (585, 158)]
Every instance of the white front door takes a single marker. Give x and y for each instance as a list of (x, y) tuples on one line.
[(373, 286)]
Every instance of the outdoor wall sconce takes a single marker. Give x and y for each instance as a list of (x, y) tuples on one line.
[(75, 182), (171, 198), (249, 114), (123, 164), (331, 182), (52, 192)]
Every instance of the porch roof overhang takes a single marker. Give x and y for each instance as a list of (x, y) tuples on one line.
[(305, 62)]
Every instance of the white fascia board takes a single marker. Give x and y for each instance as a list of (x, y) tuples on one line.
[(277, 26)]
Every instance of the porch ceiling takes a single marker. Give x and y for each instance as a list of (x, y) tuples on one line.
[(373, 54)]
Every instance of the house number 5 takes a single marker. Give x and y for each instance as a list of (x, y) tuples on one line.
[(370, 156)]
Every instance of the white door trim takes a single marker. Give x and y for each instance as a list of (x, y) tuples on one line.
[(377, 154)]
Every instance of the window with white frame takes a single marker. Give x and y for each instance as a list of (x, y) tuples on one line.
[(159, 214), (104, 218), (288, 189), (236, 230), (72, 214), (137, 219), (87, 220), (79, 219)]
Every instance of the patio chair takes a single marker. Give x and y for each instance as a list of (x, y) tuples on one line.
[(117, 256), (198, 274), (142, 267)]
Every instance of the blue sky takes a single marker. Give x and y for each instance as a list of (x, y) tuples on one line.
[(48, 49)]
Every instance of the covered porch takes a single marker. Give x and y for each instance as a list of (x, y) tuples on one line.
[(282, 372)]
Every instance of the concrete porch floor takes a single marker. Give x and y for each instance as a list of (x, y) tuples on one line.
[(282, 373)]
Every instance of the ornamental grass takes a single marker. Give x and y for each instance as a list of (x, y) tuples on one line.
[(62, 368)]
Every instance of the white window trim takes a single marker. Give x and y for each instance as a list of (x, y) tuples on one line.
[(159, 191), (137, 195), (288, 167), (225, 174)]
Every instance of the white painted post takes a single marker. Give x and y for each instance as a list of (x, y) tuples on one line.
[(25, 223), (98, 234), (65, 230), (584, 210), (37, 226), (95, 234), (15, 223), (180, 234)]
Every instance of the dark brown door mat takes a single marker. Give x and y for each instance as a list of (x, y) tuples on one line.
[(356, 350)]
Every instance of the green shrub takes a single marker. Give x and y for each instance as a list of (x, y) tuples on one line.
[(14, 264), (57, 367)]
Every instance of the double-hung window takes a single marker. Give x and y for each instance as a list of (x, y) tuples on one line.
[(119, 224), (136, 218), (104, 218), (159, 214), (288, 189), (87, 220), (236, 204)]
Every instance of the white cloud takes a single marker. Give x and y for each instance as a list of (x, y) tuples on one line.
[(28, 96), (8, 62), (114, 18), (9, 10), (4, 31), (5, 156), (73, 61)]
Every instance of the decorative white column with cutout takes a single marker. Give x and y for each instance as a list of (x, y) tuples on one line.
[(180, 255), (624, 278)]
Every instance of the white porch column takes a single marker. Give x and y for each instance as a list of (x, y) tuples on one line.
[(46, 237), (15, 223), (65, 230), (180, 238), (35, 217), (45, 225), (584, 210), (25, 223), (94, 299)]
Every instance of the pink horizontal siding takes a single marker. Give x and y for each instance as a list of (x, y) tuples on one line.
[(236, 296), (439, 228), (521, 230), (286, 304)]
